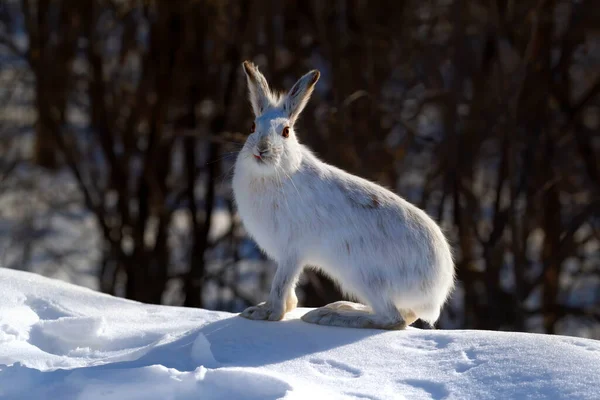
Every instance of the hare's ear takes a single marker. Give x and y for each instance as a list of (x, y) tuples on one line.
[(259, 92), (299, 94)]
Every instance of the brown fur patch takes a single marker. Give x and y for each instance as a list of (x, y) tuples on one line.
[(371, 203), (375, 202)]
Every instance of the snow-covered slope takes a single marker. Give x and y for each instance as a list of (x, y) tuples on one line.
[(59, 341)]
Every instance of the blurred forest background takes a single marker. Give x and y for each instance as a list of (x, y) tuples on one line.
[(120, 121)]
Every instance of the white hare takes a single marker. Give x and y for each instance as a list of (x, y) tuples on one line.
[(379, 248)]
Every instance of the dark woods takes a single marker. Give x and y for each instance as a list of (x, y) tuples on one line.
[(485, 113)]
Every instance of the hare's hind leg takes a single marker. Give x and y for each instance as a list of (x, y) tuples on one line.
[(354, 315)]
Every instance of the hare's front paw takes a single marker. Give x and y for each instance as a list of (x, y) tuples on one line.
[(263, 311)]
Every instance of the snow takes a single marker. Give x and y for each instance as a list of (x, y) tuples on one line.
[(63, 341)]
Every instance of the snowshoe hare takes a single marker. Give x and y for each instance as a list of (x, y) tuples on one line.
[(380, 249)]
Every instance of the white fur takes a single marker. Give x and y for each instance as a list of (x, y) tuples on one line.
[(379, 248)]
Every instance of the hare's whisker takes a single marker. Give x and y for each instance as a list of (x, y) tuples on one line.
[(224, 156)]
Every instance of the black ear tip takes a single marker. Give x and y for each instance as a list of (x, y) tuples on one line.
[(315, 76), (248, 66)]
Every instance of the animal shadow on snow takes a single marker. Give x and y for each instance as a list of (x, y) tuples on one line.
[(231, 342), (240, 342)]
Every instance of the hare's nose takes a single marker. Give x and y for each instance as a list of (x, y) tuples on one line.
[(262, 149)]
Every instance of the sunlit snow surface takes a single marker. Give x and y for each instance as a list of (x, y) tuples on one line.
[(60, 341)]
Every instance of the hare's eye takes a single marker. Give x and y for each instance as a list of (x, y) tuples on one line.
[(286, 132), (253, 128)]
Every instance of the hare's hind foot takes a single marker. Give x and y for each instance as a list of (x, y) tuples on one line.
[(348, 306), (354, 315)]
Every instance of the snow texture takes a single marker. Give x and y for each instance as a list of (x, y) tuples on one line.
[(62, 341)]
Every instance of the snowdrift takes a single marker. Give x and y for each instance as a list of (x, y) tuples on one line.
[(61, 341)]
